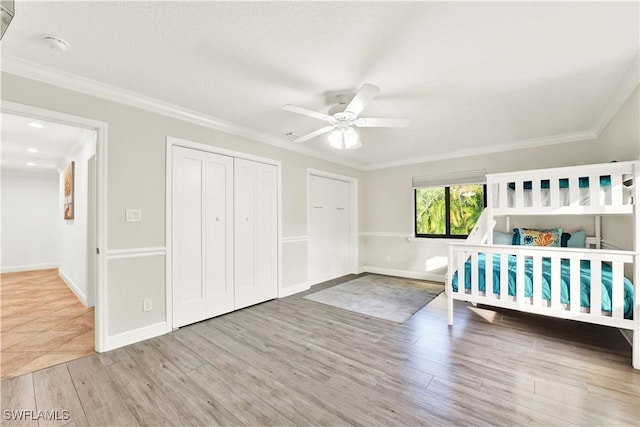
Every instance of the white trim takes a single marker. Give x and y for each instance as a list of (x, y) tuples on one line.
[(384, 234), (433, 240), (607, 245), (294, 239), (20, 67), (92, 87), (280, 250), (626, 87), (584, 135), (353, 214), (323, 174), (134, 336), (136, 252), (295, 289), (179, 142), (29, 267), (168, 236), (403, 273), (101, 302), (76, 290)]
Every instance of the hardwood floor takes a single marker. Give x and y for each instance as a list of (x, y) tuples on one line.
[(42, 323), (297, 362)]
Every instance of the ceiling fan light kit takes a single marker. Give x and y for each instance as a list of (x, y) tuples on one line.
[(343, 117), (344, 139)]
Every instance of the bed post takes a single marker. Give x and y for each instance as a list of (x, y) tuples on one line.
[(635, 358), (450, 272)]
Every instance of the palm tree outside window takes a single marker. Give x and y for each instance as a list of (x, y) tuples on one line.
[(448, 211)]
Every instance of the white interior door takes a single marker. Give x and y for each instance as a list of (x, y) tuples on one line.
[(202, 235), (340, 250), (256, 232), (329, 229), (218, 232)]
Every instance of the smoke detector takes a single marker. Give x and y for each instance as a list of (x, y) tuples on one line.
[(56, 43)]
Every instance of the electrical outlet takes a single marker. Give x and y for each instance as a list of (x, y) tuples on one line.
[(146, 304), (388, 258), (133, 215)]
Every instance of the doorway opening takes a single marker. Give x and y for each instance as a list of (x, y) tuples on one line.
[(51, 233)]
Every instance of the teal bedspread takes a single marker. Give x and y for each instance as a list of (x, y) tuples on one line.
[(565, 294)]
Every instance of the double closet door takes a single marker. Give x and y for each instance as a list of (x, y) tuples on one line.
[(224, 234)]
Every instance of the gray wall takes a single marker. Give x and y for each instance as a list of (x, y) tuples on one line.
[(386, 215), (31, 215), (620, 140), (136, 179)]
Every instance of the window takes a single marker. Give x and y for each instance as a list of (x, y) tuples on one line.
[(448, 211)]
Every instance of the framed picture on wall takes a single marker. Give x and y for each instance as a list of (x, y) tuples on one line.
[(68, 191)]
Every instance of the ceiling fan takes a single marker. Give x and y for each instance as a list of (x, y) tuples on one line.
[(343, 117)]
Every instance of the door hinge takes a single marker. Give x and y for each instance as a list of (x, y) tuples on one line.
[(97, 251)]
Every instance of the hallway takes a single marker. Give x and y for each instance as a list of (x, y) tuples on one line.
[(42, 323)]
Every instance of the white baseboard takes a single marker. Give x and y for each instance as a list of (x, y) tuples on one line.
[(290, 290), (31, 267), (403, 273), (76, 290), (137, 335)]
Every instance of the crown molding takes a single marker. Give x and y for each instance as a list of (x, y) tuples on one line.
[(77, 83), (20, 67), (626, 87), (496, 148)]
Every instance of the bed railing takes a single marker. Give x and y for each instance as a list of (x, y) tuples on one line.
[(460, 253), (592, 189)]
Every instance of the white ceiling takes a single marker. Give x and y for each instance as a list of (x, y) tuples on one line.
[(476, 76), (54, 142)]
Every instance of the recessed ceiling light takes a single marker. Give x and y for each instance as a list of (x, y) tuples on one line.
[(30, 164), (32, 150), (35, 125)]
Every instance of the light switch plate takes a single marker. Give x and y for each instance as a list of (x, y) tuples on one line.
[(133, 215)]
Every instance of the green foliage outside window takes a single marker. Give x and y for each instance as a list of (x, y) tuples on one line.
[(448, 211)]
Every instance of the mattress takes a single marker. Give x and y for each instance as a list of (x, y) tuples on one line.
[(565, 294)]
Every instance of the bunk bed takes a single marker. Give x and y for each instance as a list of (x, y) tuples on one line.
[(536, 273)]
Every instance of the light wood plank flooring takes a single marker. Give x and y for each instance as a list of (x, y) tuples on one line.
[(297, 362), (42, 323)]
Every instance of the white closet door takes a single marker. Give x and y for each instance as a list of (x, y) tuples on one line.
[(319, 240), (256, 232), (218, 232), (202, 275), (340, 251), (329, 229)]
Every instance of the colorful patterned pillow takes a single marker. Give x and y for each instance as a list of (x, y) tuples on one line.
[(533, 237)]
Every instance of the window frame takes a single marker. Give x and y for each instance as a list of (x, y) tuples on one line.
[(447, 203)]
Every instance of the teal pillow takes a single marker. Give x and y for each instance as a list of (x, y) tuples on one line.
[(578, 239), (502, 238)]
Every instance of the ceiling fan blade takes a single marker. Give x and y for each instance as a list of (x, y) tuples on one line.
[(305, 112), (366, 93), (314, 134), (395, 122)]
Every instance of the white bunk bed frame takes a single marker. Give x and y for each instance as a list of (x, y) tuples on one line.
[(481, 238)]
